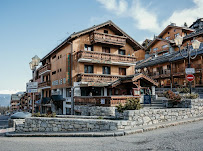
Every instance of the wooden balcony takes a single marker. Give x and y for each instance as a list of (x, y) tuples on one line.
[(45, 84), (105, 58), (107, 101), (178, 71), (198, 67), (96, 79), (166, 73), (155, 75), (45, 69), (97, 37)]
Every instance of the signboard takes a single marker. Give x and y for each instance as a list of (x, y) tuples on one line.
[(32, 85), (189, 70), (147, 99), (32, 91), (190, 77)]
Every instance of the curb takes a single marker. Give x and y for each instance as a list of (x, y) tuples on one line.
[(106, 134)]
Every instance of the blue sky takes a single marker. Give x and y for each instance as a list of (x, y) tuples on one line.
[(30, 27)]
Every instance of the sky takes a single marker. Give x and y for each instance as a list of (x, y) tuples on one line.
[(35, 27)]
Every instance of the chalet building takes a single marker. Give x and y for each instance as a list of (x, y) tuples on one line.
[(15, 102), (163, 61), (95, 66)]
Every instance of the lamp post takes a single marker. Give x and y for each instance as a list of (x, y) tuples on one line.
[(195, 44), (33, 64)]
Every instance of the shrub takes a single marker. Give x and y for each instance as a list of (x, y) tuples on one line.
[(183, 90), (36, 114), (131, 104), (172, 96), (191, 96), (44, 115)]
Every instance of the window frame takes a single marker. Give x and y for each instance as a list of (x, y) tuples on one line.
[(87, 69), (108, 70)]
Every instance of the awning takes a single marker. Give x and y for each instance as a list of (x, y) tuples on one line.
[(57, 98), (45, 100)]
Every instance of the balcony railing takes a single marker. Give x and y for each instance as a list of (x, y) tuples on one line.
[(101, 100), (97, 37), (178, 71), (44, 69), (44, 84), (198, 67), (106, 58), (154, 75), (96, 78), (166, 73)]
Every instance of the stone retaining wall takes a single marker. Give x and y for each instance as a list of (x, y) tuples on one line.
[(41, 124), (95, 110), (132, 119), (154, 116)]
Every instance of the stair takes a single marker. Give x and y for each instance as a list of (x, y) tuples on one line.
[(155, 103)]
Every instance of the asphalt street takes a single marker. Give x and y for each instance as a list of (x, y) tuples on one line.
[(188, 137)]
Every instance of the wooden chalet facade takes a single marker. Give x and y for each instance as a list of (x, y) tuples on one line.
[(89, 62), (164, 62)]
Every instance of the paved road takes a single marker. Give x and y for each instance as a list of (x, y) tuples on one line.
[(187, 137), (3, 121)]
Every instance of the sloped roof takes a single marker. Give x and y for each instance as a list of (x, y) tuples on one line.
[(179, 57), (155, 60), (159, 39), (193, 34), (85, 31), (172, 26), (133, 78)]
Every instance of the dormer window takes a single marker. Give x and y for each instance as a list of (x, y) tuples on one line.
[(167, 38), (106, 31), (176, 35), (165, 46), (155, 49)]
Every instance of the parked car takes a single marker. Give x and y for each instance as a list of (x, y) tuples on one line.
[(21, 115)]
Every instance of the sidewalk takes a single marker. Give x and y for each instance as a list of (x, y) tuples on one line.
[(140, 129)]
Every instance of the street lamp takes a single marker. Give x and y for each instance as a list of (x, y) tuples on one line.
[(33, 64), (195, 44)]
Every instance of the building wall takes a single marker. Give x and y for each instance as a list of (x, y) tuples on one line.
[(59, 65)]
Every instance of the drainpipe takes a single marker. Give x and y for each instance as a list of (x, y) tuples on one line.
[(71, 80)]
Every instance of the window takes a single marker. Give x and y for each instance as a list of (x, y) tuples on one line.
[(122, 71), (166, 53), (155, 49), (121, 52), (54, 57), (174, 30), (88, 48), (167, 38), (106, 49), (54, 72), (60, 70), (106, 31), (168, 32), (60, 56), (165, 46), (88, 69), (106, 70), (176, 35)]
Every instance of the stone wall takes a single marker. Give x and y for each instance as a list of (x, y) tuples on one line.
[(95, 110), (132, 119), (41, 124), (154, 116)]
